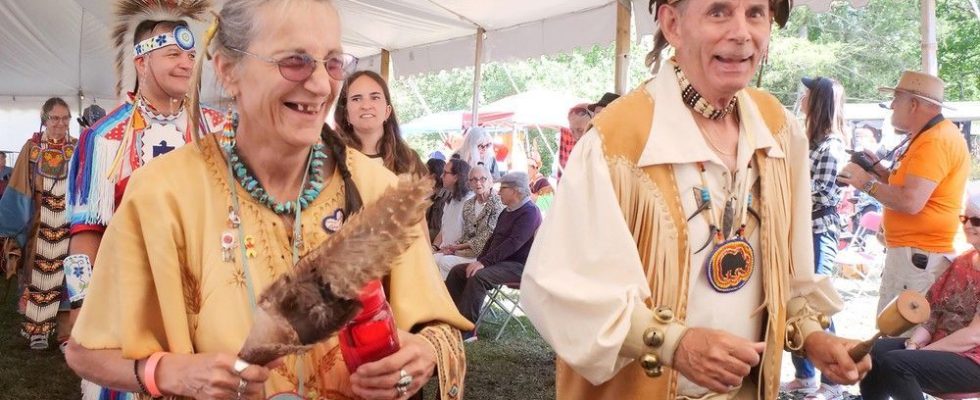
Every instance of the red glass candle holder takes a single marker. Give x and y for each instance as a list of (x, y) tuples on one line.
[(372, 334)]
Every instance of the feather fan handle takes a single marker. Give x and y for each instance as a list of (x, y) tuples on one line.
[(371, 240), (315, 299)]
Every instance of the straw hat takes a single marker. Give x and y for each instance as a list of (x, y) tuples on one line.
[(921, 85)]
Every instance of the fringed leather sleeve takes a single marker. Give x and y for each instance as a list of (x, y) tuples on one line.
[(450, 358)]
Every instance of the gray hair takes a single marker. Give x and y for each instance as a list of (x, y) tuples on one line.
[(469, 151), (238, 25), (481, 168), (518, 181)]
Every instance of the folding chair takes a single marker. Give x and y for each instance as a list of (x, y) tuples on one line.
[(505, 298), (868, 225), (857, 253)]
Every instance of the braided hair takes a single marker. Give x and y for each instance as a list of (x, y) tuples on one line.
[(338, 150)]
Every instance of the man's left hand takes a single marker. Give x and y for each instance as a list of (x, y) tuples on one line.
[(829, 354), (853, 175), (472, 268)]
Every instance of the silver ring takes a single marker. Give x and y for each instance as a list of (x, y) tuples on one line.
[(240, 365), (404, 380), (401, 390)]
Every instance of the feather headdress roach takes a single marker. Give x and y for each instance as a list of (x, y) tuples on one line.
[(315, 299), (129, 14)]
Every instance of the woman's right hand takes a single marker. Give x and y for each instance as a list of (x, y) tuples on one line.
[(210, 376)]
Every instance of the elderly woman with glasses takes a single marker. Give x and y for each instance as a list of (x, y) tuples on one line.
[(943, 354), (204, 230), (480, 214), (478, 149)]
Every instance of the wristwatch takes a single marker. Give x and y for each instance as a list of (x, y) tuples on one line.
[(870, 187)]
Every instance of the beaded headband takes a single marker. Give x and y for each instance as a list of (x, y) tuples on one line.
[(181, 36)]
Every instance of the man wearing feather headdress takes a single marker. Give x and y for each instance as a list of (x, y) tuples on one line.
[(695, 269), (155, 52)]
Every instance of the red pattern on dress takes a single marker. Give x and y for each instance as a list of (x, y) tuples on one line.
[(955, 301)]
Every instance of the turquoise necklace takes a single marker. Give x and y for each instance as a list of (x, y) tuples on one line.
[(238, 171), (311, 189)]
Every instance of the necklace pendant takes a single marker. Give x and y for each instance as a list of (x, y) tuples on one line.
[(298, 242), (728, 218), (730, 264)]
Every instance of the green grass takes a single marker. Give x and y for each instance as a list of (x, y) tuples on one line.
[(27, 374), (518, 366)]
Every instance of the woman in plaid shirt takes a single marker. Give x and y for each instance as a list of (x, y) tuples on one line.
[(823, 103)]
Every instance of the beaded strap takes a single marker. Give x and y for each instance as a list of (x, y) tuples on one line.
[(696, 101)]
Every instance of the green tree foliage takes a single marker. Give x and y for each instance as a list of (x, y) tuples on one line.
[(863, 48)]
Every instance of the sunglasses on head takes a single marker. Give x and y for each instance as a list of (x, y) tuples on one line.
[(975, 221), (299, 67)]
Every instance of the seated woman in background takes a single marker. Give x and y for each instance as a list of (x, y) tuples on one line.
[(480, 214), (478, 149), (433, 216), (454, 182), (366, 121), (541, 190), (943, 354)]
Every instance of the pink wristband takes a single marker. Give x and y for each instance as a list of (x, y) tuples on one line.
[(149, 374)]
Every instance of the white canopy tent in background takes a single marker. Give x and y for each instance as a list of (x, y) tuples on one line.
[(61, 47)]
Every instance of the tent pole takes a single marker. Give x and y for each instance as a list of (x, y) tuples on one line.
[(930, 62), (477, 76), (386, 65), (623, 13), (81, 36)]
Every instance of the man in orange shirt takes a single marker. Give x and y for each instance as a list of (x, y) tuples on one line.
[(923, 195)]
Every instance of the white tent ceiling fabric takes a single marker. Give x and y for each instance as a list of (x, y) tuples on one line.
[(61, 47)]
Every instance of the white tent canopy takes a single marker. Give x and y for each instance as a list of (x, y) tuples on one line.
[(61, 47), (539, 107)]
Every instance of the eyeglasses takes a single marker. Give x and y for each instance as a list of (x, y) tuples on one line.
[(59, 119), (480, 179), (484, 146), (975, 221), (448, 172), (299, 67)]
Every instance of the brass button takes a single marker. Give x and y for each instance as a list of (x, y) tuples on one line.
[(824, 321), (664, 314), (650, 361), (653, 337), (654, 372)]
